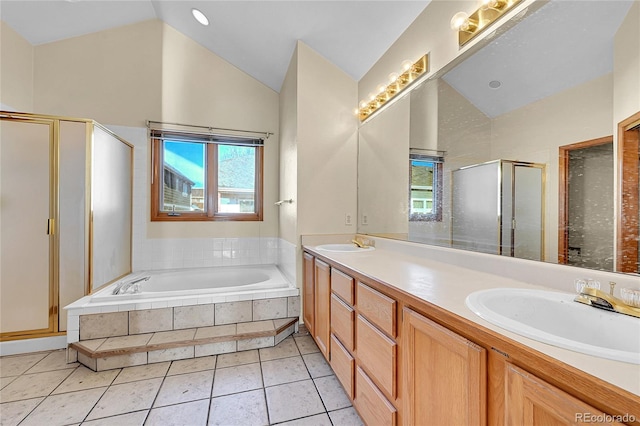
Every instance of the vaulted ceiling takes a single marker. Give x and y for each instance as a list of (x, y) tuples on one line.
[(257, 37)]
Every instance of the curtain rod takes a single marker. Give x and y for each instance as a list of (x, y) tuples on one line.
[(437, 151), (210, 129)]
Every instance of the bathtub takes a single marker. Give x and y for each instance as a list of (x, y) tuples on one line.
[(222, 283)]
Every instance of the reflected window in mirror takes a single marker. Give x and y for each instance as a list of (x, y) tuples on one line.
[(425, 192)]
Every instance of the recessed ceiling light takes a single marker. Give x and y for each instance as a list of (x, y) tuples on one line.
[(494, 84), (200, 17)]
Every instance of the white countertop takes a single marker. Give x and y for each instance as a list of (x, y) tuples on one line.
[(447, 286)]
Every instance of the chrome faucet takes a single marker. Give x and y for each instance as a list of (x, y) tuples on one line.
[(124, 286)]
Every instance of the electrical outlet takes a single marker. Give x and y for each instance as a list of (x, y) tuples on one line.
[(365, 219), (347, 219)]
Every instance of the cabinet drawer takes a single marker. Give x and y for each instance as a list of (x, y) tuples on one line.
[(372, 406), (342, 285), (342, 319), (377, 308), (377, 354), (343, 364)]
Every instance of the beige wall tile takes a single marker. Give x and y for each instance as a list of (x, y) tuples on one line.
[(121, 361), (171, 354), (215, 348), (172, 336), (113, 343), (284, 334), (260, 342), (255, 327), (193, 316), (96, 326), (150, 320), (216, 331), (266, 309), (233, 312), (293, 306), (87, 362)]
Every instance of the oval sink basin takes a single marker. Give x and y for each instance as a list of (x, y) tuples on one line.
[(554, 318), (343, 248)]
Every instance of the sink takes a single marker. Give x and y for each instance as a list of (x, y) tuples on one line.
[(554, 318), (343, 248)]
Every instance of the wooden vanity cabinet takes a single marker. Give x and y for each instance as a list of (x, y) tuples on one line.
[(308, 292), (530, 400), (403, 361), (322, 305), (444, 375)]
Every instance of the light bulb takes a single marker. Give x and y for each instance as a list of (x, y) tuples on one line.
[(371, 96), (381, 88), (356, 111), (460, 21), (406, 65), (200, 17), (393, 77), (363, 104)]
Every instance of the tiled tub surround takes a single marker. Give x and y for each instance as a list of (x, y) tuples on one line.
[(108, 331), (137, 337)]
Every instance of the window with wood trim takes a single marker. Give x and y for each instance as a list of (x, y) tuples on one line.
[(206, 177)]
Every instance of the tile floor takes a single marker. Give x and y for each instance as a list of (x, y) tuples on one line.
[(290, 384)]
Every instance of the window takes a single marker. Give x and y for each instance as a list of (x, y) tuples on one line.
[(205, 177), (425, 192)]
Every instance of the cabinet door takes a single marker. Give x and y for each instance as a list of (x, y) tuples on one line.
[(444, 378), (532, 401), (322, 306), (308, 297)]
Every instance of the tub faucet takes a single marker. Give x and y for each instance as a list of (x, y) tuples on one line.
[(124, 286)]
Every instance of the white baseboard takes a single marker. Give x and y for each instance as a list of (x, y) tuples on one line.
[(14, 347)]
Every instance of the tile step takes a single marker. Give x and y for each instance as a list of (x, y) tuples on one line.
[(92, 348)]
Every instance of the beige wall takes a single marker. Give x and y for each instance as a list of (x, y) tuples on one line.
[(150, 71), (319, 149), (16, 70), (289, 153), (198, 87), (327, 146), (112, 76), (626, 66)]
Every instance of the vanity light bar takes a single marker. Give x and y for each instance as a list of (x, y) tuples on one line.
[(470, 26), (410, 73)]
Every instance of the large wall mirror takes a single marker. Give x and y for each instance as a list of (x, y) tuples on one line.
[(511, 150)]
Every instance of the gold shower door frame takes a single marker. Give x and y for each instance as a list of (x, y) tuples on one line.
[(50, 228)]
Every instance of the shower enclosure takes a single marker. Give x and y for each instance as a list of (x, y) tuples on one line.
[(498, 208), (65, 184)]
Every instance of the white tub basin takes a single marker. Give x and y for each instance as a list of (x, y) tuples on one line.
[(343, 248), (554, 318)]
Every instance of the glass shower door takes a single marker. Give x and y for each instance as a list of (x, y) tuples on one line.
[(26, 227)]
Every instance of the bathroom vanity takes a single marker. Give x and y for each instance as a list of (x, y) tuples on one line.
[(395, 329)]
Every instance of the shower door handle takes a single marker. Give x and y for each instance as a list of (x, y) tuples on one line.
[(50, 226)]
